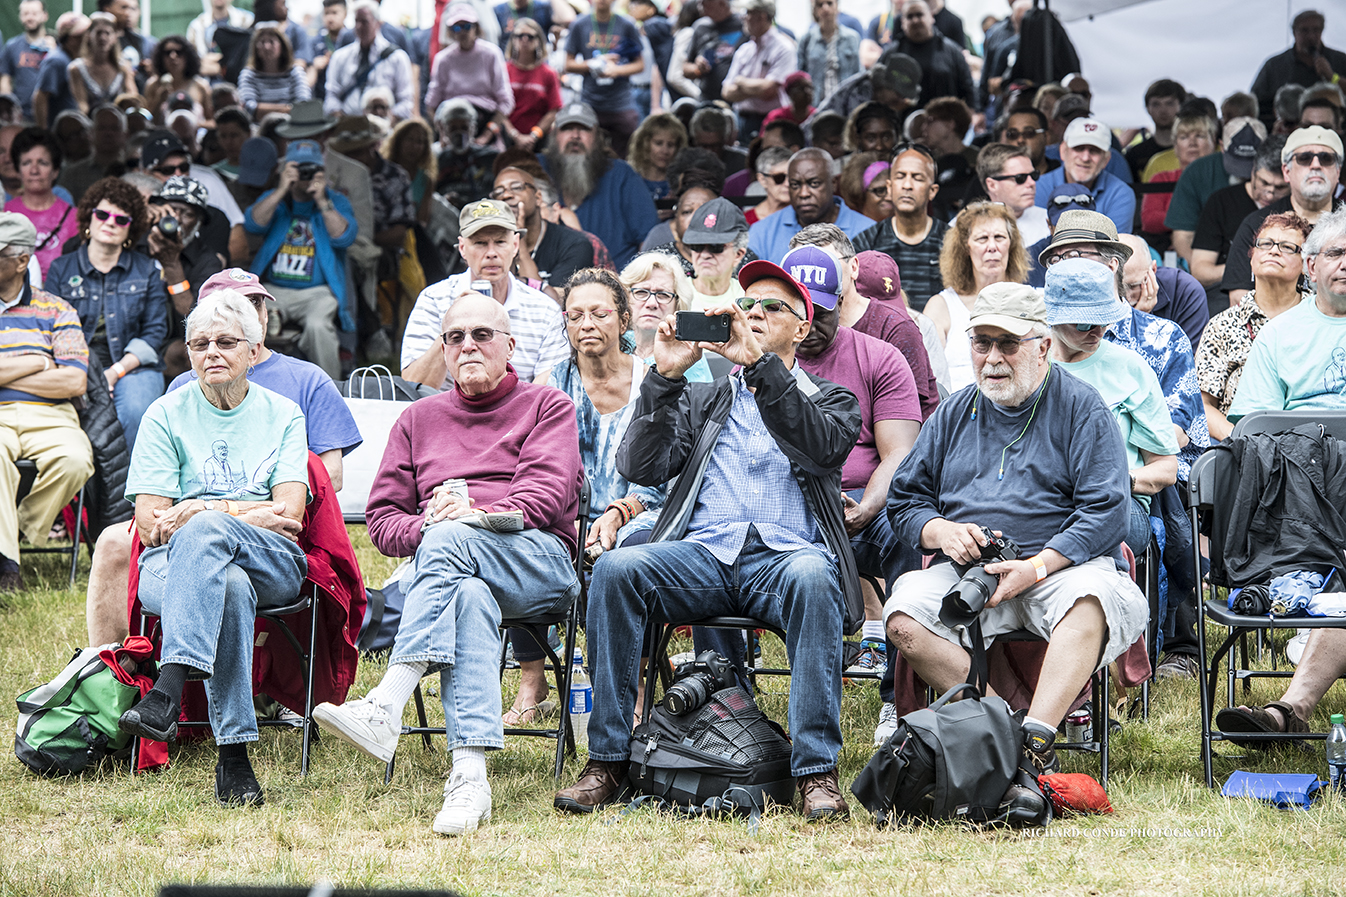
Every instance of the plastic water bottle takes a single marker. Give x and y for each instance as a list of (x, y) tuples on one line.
[(582, 702), (1336, 753)]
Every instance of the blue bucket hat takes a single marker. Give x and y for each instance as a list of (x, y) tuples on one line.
[(818, 270), (1082, 291)]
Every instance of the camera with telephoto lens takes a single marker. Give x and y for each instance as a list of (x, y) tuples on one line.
[(169, 226), (695, 681), (975, 586), (308, 169)]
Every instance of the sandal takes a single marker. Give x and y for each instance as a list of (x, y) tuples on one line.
[(1254, 720), (516, 717)]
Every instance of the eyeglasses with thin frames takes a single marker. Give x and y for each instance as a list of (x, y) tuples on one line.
[(1008, 345), (514, 188), (118, 218), (223, 343), (1074, 254), (643, 295), (1285, 247), (458, 336)]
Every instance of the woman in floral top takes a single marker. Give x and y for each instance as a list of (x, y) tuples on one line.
[(1277, 273)]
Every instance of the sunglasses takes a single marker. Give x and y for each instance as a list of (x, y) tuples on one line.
[(1325, 159), (117, 218), (460, 27), (1019, 179), (712, 248), (642, 295), (180, 168), (457, 337), (1083, 200), (906, 145), (1026, 133), (1008, 345), (770, 306), (1284, 246), (514, 188), (778, 178), (524, 35), (223, 343), (175, 51)]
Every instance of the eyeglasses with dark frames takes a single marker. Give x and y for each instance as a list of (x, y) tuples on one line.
[(1285, 247), (1021, 178), (642, 295), (1008, 345), (1073, 254), (223, 343), (180, 168)]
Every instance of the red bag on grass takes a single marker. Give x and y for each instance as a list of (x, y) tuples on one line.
[(1074, 792)]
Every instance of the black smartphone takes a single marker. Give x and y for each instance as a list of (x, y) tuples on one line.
[(695, 326)]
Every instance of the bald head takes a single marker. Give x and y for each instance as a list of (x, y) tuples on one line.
[(476, 310)]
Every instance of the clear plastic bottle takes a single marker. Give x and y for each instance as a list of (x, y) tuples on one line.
[(582, 700), (1336, 753)]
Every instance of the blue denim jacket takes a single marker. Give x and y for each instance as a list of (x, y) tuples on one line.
[(131, 297), (812, 55)]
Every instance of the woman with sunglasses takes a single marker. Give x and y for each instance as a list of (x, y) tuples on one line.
[(36, 156), (220, 484), (1279, 285), (120, 297), (471, 69), (773, 175), (658, 288), (981, 248), (537, 89), (863, 185), (99, 74), (177, 69), (603, 379), (653, 146)]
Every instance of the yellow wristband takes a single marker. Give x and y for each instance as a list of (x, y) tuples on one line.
[(1039, 566)]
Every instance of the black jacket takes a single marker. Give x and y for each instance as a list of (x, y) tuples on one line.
[(675, 426), (1287, 510), (105, 493)]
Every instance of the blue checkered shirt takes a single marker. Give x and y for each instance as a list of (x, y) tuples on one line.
[(749, 482)]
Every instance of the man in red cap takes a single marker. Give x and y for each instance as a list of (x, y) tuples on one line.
[(752, 527)]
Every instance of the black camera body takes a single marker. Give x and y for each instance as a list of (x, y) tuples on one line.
[(695, 681), (308, 169), (969, 595), (169, 226)]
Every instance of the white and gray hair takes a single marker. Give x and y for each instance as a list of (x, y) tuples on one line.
[(226, 307), (1331, 226)]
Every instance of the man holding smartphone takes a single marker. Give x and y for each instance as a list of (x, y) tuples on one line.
[(752, 527)]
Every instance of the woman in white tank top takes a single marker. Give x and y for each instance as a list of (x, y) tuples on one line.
[(981, 248)]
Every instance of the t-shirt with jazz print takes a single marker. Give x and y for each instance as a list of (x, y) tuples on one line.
[(295, 265), (187, 448)]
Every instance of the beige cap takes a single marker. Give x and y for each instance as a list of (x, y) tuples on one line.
[(1013, 307), (486, 213), (1315, 135), (17, 231)]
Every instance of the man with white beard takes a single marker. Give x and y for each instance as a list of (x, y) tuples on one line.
[(1311, 163), (607, 195)]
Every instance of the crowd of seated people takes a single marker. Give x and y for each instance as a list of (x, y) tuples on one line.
[(940, 288)]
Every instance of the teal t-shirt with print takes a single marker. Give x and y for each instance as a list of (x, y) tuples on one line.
[(1297, 361), (187, 448)]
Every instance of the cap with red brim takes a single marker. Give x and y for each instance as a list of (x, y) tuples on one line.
[(762, 269)]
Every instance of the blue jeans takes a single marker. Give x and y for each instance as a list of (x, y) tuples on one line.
[(796, 591), (222, 570), (135, 392), (1138, 529), (464, 580)]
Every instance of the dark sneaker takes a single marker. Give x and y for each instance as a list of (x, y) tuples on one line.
[(820, 797), (1022, 806), (154, 717), (1178, 666), (235, 784), (599, 784), (1040, 754)]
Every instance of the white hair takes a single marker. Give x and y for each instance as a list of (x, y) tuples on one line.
[(366, 4), (226, 307), (1331, 226)]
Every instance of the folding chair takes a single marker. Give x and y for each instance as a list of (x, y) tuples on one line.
[(658, 669), (537, 627), (1210, 495), (27, 476)]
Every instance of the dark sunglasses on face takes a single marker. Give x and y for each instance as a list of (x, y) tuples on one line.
[(180, 168), (906, 145), (1026, 133), (770, 306), (712, 248), (778, 178), (1019, 179), (175, 51), (460, 27), (223, 343), (1008, 345), (479, 335), (117, 218), (1325, 159)]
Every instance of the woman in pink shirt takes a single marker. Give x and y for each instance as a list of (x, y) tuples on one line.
[(473, 70), (37, 157)]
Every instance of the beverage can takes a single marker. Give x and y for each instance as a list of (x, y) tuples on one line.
[(1079, 727)]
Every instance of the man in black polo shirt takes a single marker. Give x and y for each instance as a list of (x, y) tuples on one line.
[(549, 252), (911, 236)]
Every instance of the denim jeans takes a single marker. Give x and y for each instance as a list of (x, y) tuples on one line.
[(134, 393), (222, 570), (1138, 529), (797, 591), (464, 580)]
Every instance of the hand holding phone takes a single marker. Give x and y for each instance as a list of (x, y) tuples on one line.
[(695, 326)]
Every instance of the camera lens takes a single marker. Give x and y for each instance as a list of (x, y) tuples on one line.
[(169, 226)]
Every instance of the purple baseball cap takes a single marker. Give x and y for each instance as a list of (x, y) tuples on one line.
[(817, 270)]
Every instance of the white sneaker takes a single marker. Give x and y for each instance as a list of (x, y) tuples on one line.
[(467, 802), (887, 724), (1294, 648), (362, 724)]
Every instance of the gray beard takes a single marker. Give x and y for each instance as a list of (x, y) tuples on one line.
[(1316, 193), (577, 176)]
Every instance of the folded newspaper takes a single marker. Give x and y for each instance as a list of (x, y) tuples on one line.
[(495, 521)]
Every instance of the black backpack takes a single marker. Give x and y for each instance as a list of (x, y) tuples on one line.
[(725, 755)]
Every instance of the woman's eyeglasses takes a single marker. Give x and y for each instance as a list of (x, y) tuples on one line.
[(597, 315), (223, 343), (642, 295), (778, 178), (1008, 345), (1020, 179), (174, 51), (119, 219), (458, 336), (770, 306), (1283, 246)]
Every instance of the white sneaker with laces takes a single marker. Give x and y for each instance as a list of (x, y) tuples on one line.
[(363, 724), (873, 658), (887, 724), (467, 803)]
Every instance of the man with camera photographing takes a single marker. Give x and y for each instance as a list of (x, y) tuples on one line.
[(1030, 452), (753, 527), (175, 240), (302, 260)]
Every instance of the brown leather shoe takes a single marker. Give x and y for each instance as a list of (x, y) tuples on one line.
[(821, 796), (599, 784)]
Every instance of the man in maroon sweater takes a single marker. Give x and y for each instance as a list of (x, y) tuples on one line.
[(516, 444)]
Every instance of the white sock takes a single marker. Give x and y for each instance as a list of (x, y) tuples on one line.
[(470, 762), (395, 689), (872, 631), (1048, 731)]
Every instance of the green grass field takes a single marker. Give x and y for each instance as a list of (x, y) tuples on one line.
[(107, 833)]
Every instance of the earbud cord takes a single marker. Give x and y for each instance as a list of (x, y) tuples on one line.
[(1031, 412)]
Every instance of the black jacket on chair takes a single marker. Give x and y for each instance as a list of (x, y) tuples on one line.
[(105, 493), (1287, 511), (676, 424)]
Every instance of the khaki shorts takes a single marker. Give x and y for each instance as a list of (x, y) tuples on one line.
[(1038, 609)]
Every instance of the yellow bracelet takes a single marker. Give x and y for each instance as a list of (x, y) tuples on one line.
[(1040, 566)]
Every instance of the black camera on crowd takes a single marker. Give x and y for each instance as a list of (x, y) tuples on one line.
[(975, 587), (308, 169), (169, 226), (696, 680)]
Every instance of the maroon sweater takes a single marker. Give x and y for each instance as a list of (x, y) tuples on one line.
[(518, 451)]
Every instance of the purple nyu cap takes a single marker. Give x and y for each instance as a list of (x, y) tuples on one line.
[(817, 270)]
